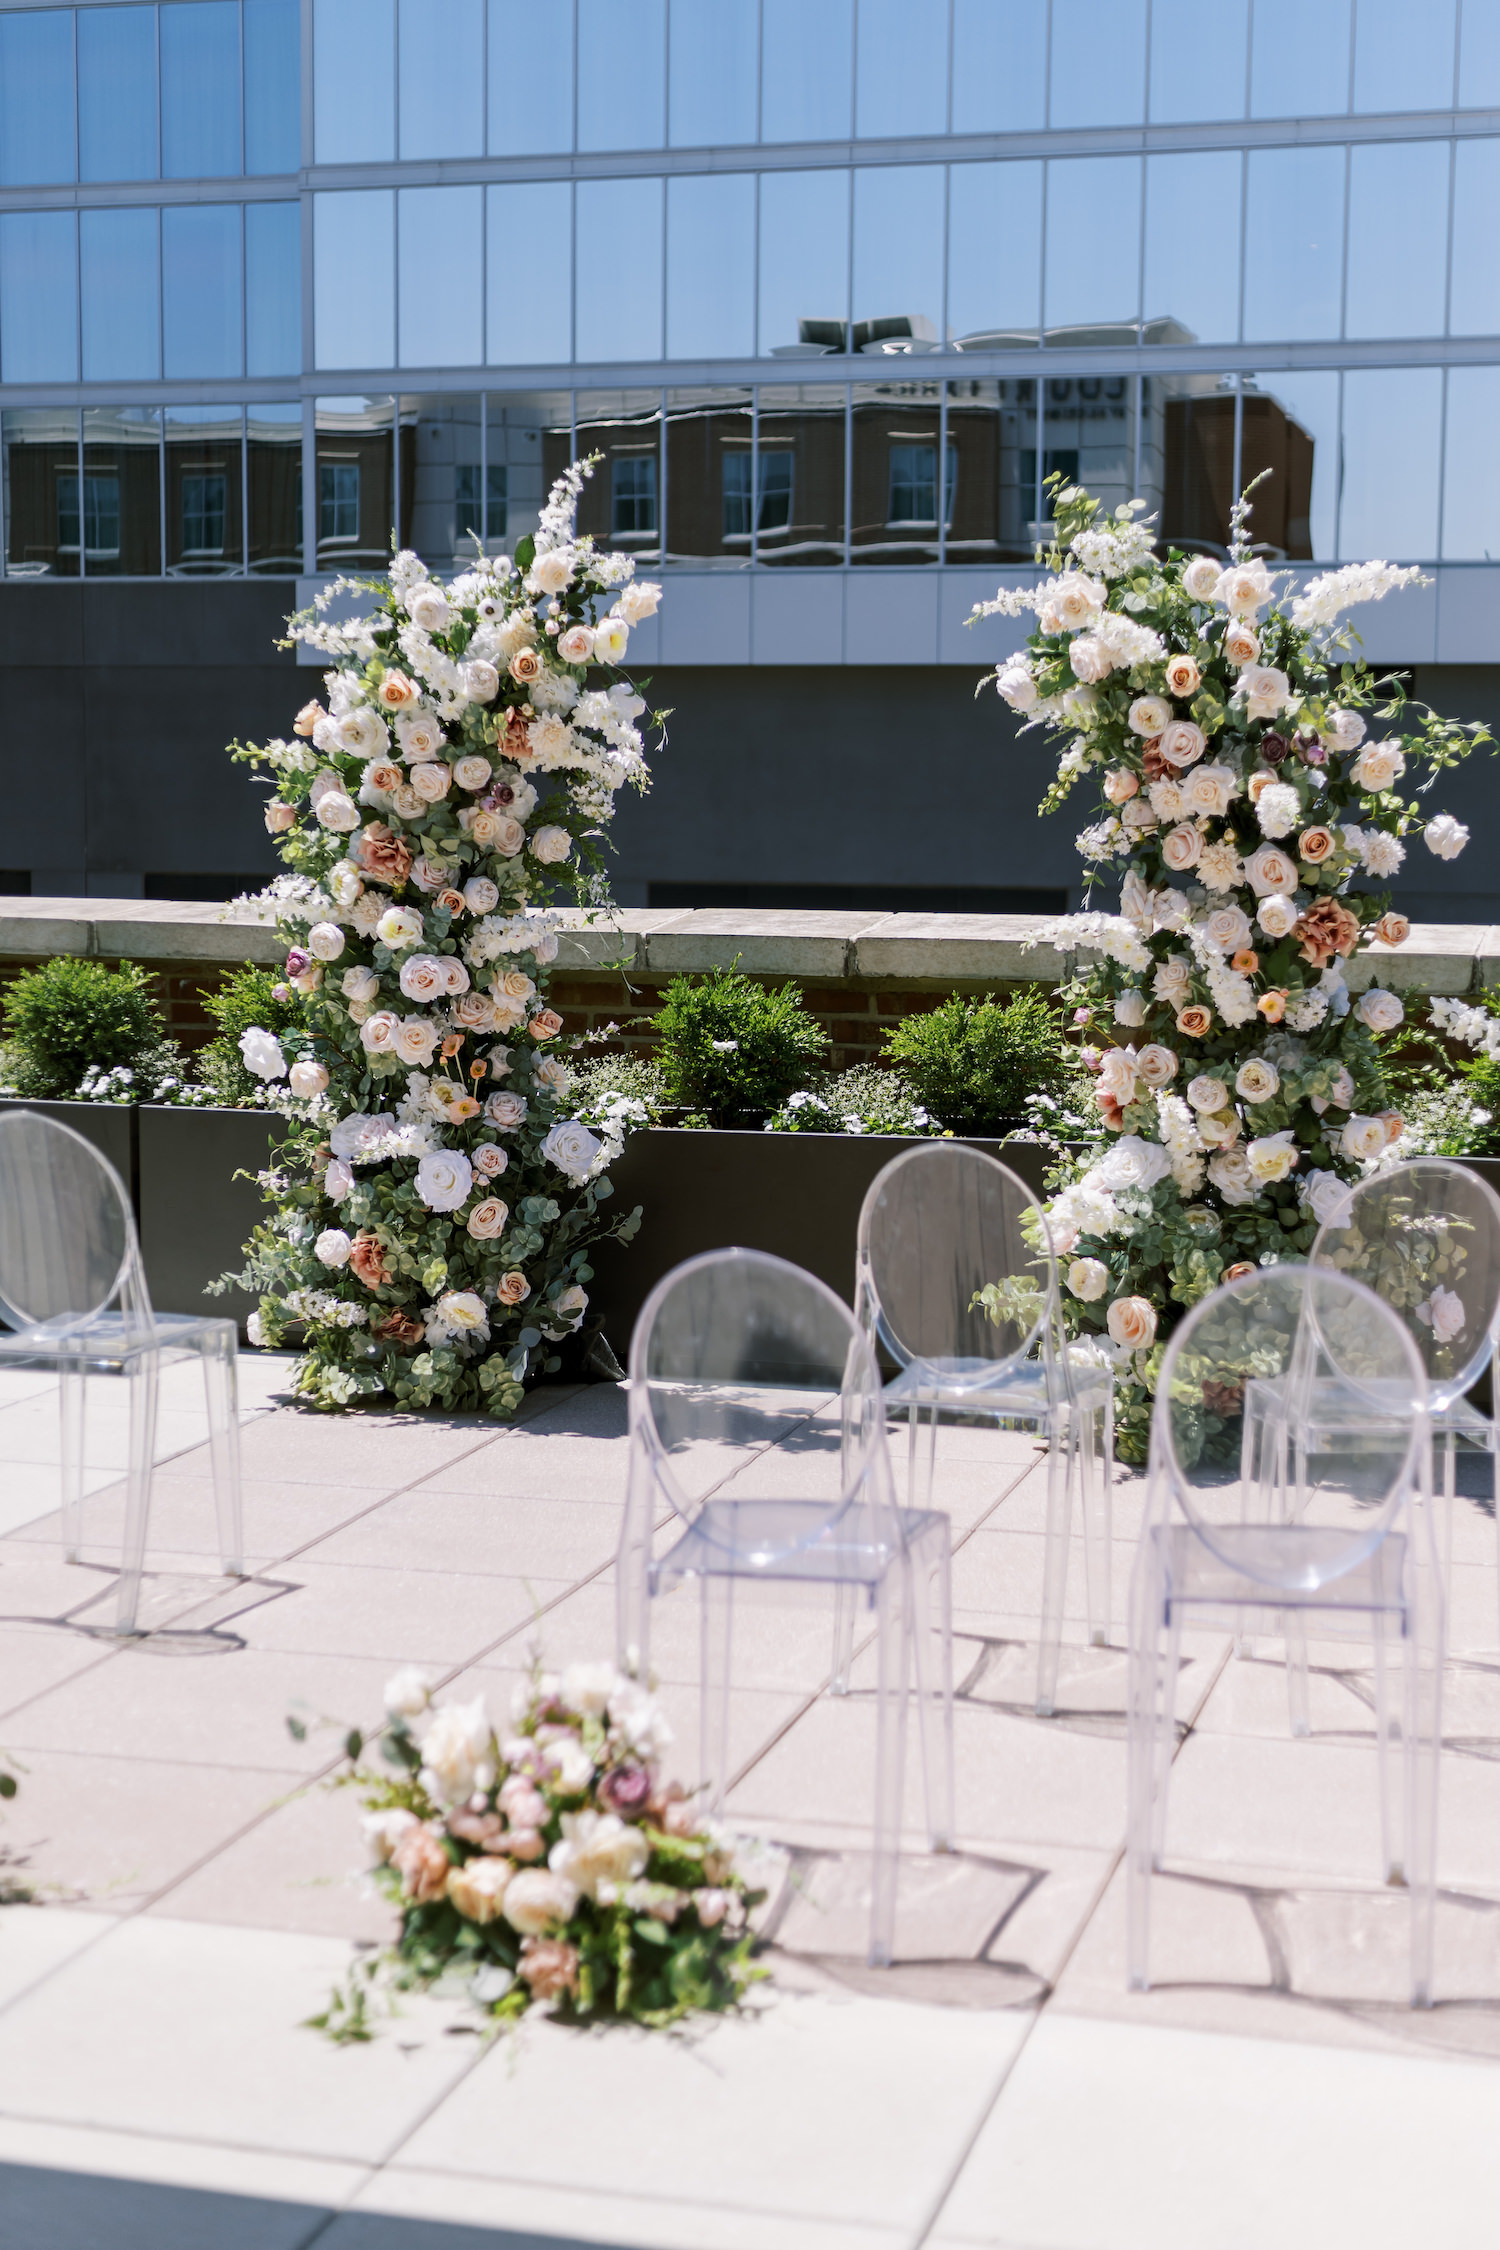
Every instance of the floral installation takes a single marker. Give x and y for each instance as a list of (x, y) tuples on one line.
[(435, 1198), (549, 1863), (1239, 1083)]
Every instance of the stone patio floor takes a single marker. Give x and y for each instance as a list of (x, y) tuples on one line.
[(197, 1892)]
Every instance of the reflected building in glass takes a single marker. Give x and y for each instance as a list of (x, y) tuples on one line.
[(830, 291)]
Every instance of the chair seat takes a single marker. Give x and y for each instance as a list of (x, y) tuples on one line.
[(108, 1341), (1260, 1565), (804, 1540), (999, 1387)]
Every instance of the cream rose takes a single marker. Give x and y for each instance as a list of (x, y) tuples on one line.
[(1074, 600), (1182, 743), (1201, 578), (1120, 785), (1276, 915), (1363, 1138), (1264, 691), (1090, 659), (1231, 1175), (481, 681), (1182, 847), (1244, 588), (1210, 790), (1378, 766), (1183, 677), (1228, 928), (1444, 836), (423, 976), (431, 780), (377, 1034), (551, 572), (551, 845), (360, 984), (1382, 1011), (1148, 715), (1272, 1157), (1132, 1323), (1088, 1278), (337, 812), (538, 1899), (1156, 1067), (396, 692), (488, 1220), (506, 1111), (1257, 1080), (420, 735), (1344, 730), (497, 832), (488, 1161), (444, 1179), (576, 645), (1241, 642), (428, 609), (1207, 1093), (415, 1041), (307, 1080), (572, 1148), (1270, 869), (472, 773), (512, 1289)]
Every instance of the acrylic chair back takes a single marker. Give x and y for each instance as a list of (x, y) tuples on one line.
[(735, 1352), (1272, 1504), (1425, 1236), (68, 1246), (954, 1265)]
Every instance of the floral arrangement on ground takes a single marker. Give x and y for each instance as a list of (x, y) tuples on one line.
[(1240, 1085), (435, 1199), (550, 1864)]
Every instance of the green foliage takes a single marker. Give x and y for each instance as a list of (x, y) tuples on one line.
[(72, 1016), (974, 1062), (863, 1100), (243, 1001), (732, 1049), (602, 1080)]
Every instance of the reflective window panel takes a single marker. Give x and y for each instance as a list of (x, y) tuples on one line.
[(1403, 55), (898, 256), (619, 282), (120, 292), (712, 84), (118, 512), (273, 85), (41, 491), (273, 289), (38, 297), (205, 492), (804, 264), (440, 269), (711, 266), (1187, 458), (994, 255), (807, 70), (901, 69), (1479, 58), (1398, 223), (1289, 424), (528, 444), (116, 93), (999, 66), (202, 324), (1198, 58), (1317, 33), (1098, 62), (355, 484), (799, 472), (36, 97), (1474, 301), (1088, 433), (529, 296), (441, 77), (1294, 225), (1390, 455), (710, 482), (1471, 466), (622, 73), (354, 322), (530, 79), (621, 503), (992, 438), (354, 81), (1093, 275), (1192, 284), (442, 500), (200, 89), (273, 467), (900, 464)]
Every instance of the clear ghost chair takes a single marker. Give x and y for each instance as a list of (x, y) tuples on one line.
[(74, 1298), (746, 1372), (956, 1280), (1244, 1530)]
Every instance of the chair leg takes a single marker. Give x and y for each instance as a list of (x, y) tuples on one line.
[(1295, 1626), (932, 1649), (1063, 1436), (143, 1386), (221, 1388), (1094, 1477), (1146, 1779), (1392, 1849), (633, 1573), (717, 1616), (73, 1388), (1423, 1746), (893, 1645), (845, 1614)]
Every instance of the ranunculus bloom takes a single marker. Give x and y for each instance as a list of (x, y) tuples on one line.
[(481, 680), (1132, 1323)]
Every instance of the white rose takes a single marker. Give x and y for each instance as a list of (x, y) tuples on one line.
[(1228, 928), (332, 1247), (551, 572), (414, 1039), (1132, 1323), (1201, 578), (399, 926), (1090, 659), (1264, 691), (1182, 743), (488, 1161), (472, 773), (1210, 789), (1272, 1157), (571, 1147), (1156, 1067), (337, 812), (345, 884), (408, 1693), (1445, 837), (598, 1848), (431, 780), (1270, 869), (359, 984), (1132, 1163), (1241, 642), (325, 941), (1149, 714), (569, 1305), (1130, 1009), (1444, 1314), (1344, 730), (461, 1313), (262, 1053), (362, 733), (1257, 1080), (569, 1763), (586, 1688), (1382, 1011), (307, 1079), (1015, 685), (611, 635), (1206, 1093), (1363, 1138), (1276, 915), (1230, 1174), (1117, 1073), (1327, 1197), (537, 1899), (337, 1179), (506, 1111), (640, 599), (423, 976), (1244, 588), (457, 1750), (481, 896), (444, 1179), (1378, 765), (1073, 600), (1088, 1278), (428, 609), (353, 1137), (420, 735), (576, 645), (551, 845), (377, 1034), (481, 681)]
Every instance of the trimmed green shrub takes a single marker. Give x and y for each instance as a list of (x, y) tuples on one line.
[(72, 1017), (863, 1100), (243, 1002), (731, 1050), (973, 1062), (602, 1078)]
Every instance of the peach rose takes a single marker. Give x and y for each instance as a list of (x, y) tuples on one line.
[(1392, 929), (545, 1024), (279, 817), (421, 1862), (497, 832), (1314, 845), (396, 692), (1120, 785), (478, 1887), (307, 718), (512, 1289), (1195, 1022), (1132, 1323), (1183, 677), (383, 773), (487, 1221), (549, 1966), (1182, 847), (525, 666), (367, 1260), (398, 1328), (451, 902), (516, 985), (1239, 1269)]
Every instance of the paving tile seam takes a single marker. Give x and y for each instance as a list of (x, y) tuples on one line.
[(627, 2195)]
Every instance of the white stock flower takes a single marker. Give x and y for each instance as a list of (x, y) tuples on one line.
[(262, 1053), (1381, 1011), (1444, 836), (444, 1179)]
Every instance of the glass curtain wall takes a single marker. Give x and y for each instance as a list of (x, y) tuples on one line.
[(622, 502), (710, 478), (42, 466), (355, 466), (273, 481), (205, 492)]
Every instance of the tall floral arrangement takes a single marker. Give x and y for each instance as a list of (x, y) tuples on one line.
[(1250, 773), (435, 1201)]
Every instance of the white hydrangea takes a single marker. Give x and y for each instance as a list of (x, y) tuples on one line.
[(1278, 809)]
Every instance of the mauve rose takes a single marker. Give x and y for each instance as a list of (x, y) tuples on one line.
[(1311, 751), (397, 1328), (367, 1260), (382, 854), (1273, 748), (298, 962), (626, 1790)]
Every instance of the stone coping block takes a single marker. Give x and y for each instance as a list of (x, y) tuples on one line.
[(938, 950)]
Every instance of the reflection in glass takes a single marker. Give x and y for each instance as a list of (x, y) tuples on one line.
[(200, 89), (807, 70), (38, 297), (274, 474), (442, 449), (205, 496), (1296, 203), (711, 266), (621, 504), (1317, 33), (273, 85), (200, 290), (1474, 305), (116, 93), (898, 256), (1187, 458), (1192, 274), (1398, 222), (1093, 245), (1471, 466), (441, 77), (994, 254), (1197, 60), (1088, 434), (621, 73), (273, 288), (529, 300), (355, 483), (710, 488), (804, 263), (618, 310), (36, 97), (1403, 56), (354, 81), (901, 69), (1098, 62), (1479, 59), (897, 443), (118, 513), (999, 66), (1390, 449), (1289, 424), (528, 443), (712, 89), (531, 79), (118, 268), (354, 232), (41, 464), (440, 249), (992, 468), (800, 467)]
